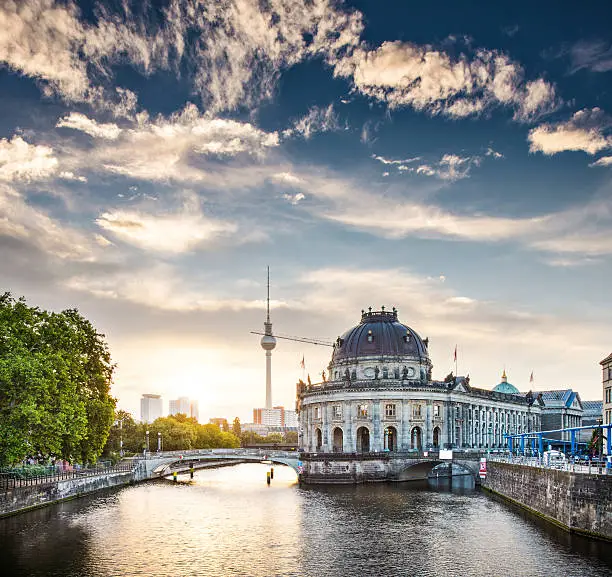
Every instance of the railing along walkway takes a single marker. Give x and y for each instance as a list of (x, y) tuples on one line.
[(590, 469), (10, 481)]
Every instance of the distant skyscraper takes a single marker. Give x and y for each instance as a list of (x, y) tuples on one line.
[(268, 342), (150, 408), (275, 417), (194, 410), (185, 406)]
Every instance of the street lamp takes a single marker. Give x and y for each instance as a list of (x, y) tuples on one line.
[(147, 444), (159, 441)]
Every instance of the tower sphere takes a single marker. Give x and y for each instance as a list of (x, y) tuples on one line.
[(268, 342)]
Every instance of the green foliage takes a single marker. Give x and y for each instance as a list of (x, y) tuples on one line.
[(55, 377), (178, 433), (236, 429), (251, 438)]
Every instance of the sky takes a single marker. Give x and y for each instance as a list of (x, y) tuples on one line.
[(456, 163)]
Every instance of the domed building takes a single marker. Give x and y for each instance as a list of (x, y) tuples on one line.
[(380, 402)]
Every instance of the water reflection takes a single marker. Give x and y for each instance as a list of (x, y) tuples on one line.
[(228, 522)]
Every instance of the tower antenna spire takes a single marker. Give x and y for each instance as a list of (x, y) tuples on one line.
[(268, 300)]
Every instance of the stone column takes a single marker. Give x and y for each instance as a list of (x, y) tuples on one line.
[(376, 432), (406, 425), (428, 429), (348, 441)]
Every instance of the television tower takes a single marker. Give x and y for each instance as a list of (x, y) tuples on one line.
[(268, 342)]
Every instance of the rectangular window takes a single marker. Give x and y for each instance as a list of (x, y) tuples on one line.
[(416, 411), (390, 410), (436, 410), (362, 411), (317, 413), (337, 411)]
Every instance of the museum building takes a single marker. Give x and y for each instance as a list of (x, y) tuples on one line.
[(380, 397)]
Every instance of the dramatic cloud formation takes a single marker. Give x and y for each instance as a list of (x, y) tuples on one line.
[(22, 161), (427, 79), (167, 148), (584, 131)]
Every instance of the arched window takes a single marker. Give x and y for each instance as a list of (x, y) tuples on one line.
[(436, 437), (416, 438), (319, 440), (390, 439), (363, 440), (338, 440)]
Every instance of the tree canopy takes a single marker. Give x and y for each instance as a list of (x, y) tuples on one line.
[(175, 433), (55, 379)]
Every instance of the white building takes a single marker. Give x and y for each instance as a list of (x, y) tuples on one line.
[(184, 406), (151, 408), (291, 419), (380, 396)]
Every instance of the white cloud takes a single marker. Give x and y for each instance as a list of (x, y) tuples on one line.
[(317, 120), (286, 178), (22, 161), (294, 199), (450, 167), (32, 225), (603, 161), (170, 233), (584, 131), (172, 148), (493, 153), (68, 175), (162, 287), (78, 121), (428, 79)]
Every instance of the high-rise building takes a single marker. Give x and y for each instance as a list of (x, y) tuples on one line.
[(275, 417), (194, 410), (185, 406), (151, 408)]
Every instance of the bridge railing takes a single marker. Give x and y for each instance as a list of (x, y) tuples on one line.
[(191, 453)]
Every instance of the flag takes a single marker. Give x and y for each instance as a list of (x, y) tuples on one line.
[(302, 364), (531, 377), (455, 359)]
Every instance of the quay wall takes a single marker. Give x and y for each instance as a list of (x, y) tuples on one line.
[(21, 499), (24, 498), (578, 502)]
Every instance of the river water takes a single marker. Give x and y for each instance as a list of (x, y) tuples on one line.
[(228, 522)]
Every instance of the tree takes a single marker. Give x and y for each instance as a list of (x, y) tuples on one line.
[(236, 429), (55, 378)]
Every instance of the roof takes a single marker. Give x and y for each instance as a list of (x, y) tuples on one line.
[(594, 408), (379, 334), (608, 359), (508, 388), (563, 397)]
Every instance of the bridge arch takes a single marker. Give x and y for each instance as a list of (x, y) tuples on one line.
[(420, 470)]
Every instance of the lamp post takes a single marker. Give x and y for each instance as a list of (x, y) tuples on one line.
[(159, 441), (147, 443)]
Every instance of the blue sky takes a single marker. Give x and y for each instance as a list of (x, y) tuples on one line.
[(155, 157)]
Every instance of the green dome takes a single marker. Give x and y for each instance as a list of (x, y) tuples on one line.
[(508, 388)]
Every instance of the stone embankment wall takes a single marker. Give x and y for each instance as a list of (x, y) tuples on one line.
[(578, 502), (30, 497)]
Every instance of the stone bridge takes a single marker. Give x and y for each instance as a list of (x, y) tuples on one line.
[(320, 468), (323, 468), (166, 462)]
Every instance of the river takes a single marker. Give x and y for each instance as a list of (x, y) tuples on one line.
[(228, 522)]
